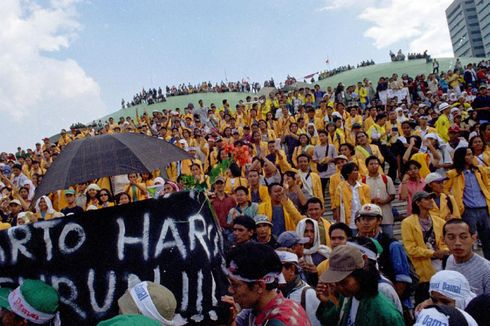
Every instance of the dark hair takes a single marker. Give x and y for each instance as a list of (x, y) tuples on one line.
[(413, 162), (242, 188), (322, 131), (272, 185), (471, 142), (119, 195), (370, 158), (246, 221), (254, 261), (303, 155), (457, 221), (379, 117), (314, 200), (479, 308), (349, 146), (483, 126), (235, 170), (459, 159), (110, 199), (348, 168), (367, 278), (340, 226), (366, 243)]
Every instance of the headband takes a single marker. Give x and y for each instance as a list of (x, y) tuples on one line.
[(144, 303), (20, 306)]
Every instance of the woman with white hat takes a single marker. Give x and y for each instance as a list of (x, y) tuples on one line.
[(445, 206)]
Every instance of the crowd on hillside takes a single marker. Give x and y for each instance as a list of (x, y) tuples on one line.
[(153, 95), (269, 164)]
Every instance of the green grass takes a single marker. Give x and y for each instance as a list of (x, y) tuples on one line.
[(412, 68), (181, 102)]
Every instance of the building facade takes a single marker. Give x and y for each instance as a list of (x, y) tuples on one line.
[(469, 27)]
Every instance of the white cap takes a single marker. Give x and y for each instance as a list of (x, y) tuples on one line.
[(434, 176), (287, 257), (442, 107)]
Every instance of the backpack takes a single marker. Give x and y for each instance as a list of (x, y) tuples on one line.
[(386, 267), (303, 296)]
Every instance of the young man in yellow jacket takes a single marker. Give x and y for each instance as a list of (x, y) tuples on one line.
[(423, 240), (280, 210), (468, 183), (350, 196), (311, 181)]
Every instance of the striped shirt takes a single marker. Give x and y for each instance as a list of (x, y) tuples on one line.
[(476, 270)]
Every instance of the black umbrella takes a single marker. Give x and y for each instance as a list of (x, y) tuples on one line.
[(107, 155)]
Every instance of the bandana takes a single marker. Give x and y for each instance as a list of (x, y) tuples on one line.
[(267, 278)]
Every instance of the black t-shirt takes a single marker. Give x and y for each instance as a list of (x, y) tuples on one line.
[(74, 210), (481, 102)]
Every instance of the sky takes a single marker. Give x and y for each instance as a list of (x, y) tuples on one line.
[(65, 61)]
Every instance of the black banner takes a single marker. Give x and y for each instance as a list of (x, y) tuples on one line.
[(88, 258)]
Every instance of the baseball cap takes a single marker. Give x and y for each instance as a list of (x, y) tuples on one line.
[(344, 259), (290, 238), (434, 176), (69, 192), (370, 210), (15, 201), (287, 257), (441, 315), (454, 128), (340, 157), (422, 194), (129, 320), (219, 178), (262, 219)]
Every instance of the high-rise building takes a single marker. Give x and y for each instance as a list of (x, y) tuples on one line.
[(465, 19), (483, 14)]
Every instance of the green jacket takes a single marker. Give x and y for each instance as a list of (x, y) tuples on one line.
[(376, 310)]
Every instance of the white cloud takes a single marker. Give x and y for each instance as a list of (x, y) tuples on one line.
[(420, 23), (39, 94), (338, 4)]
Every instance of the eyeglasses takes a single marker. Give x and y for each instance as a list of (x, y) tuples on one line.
[(104, 195)]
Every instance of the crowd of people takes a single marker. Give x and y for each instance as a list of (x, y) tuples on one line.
[(152, 95), (268, 166)]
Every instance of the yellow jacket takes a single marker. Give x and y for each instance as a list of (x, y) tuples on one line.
[(344, 191), (443, 212), (291, 215), (361, 157), (263, 194), (455, 185), (332, 187), (232, 183), (140, 195), (442, 127), (185, 167), (316, 185), (413, 241)]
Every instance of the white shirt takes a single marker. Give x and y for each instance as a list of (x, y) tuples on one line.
[(311, 303), (356, 204), (382, 191)]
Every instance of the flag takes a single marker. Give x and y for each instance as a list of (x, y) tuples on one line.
[(310, 75)]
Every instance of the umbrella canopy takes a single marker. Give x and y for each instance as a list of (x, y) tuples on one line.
[(107, 155)]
